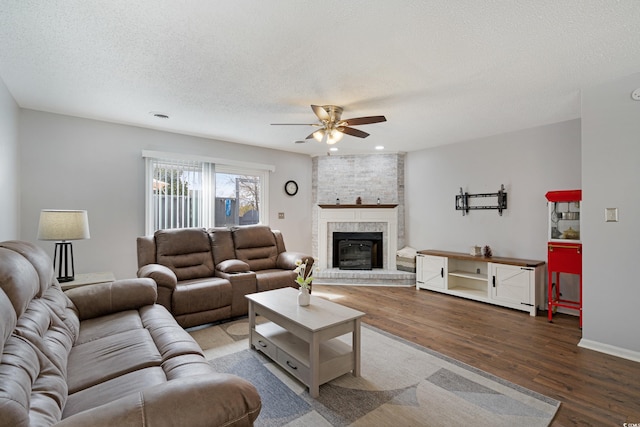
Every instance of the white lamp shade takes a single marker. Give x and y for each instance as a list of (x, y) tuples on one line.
[(63, 225)]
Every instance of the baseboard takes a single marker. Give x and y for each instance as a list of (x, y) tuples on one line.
[(610, 349)]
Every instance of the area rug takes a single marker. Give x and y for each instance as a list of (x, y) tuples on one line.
[(401, 384)]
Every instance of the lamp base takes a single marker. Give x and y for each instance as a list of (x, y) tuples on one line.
[(64, 254)]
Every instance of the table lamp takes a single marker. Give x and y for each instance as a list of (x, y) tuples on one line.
[(62, 226)]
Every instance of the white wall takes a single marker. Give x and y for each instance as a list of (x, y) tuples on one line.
[(611, 179), (9, 166), (529, 163), (74, 163)]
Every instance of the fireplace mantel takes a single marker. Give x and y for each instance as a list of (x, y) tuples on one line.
[(357, 206), (358, 214)]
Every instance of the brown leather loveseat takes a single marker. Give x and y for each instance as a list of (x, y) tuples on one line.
[(102, 355), (203, 275)]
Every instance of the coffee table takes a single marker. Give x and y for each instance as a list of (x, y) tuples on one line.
[(303, 340)]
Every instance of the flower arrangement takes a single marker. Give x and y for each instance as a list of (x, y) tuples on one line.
[(304, 278)]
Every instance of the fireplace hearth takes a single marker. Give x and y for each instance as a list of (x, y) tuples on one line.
[(357, 250)]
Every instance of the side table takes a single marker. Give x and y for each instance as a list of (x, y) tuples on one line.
[(88, 279)]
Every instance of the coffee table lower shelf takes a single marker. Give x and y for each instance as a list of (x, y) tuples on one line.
[(292, 353)]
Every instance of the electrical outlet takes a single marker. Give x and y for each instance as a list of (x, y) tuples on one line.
[(280, 215), (611, 214)]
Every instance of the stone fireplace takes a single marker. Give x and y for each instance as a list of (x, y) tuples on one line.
[(368, 219), (359, 194), (374, 178)]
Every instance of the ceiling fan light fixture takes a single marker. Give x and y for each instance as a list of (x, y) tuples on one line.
[(334, 136), (318, 135)]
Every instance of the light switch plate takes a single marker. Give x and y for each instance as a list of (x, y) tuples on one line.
[(611, 214), (280, 215)]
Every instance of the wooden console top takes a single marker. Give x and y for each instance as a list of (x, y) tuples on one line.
[(498, 260)]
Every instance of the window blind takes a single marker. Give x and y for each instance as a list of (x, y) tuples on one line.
[(177, 193)]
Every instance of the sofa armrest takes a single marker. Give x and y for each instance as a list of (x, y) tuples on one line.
[(287, 260), (232, 266), (162, 275), (112, 297), (209, 400)]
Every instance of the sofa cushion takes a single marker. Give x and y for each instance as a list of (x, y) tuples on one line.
[(187, 252), (256, 245), (275, 279), (20, 281), (170, 339), (113, 389), (193, 296), (221, 244), (47, 332), (103, 359), (64, 324), (38, 330), (37, 257), (112, 324), (32, 388), (8, 319)]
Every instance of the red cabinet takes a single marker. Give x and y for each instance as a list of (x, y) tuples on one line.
[(564, 250), (565, 257)]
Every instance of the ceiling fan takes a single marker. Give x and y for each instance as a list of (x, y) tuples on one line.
[(332, 126)]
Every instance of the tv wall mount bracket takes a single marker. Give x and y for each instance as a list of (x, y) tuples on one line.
[(462, 201)]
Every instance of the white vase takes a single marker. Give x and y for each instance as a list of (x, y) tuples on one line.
[(303, 297)]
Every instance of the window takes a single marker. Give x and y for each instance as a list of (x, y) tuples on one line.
[(177, 193), (238, 196), (187, 191)]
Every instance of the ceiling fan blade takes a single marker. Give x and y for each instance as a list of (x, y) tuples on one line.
[(364, 120), (294, 124), (353, 132), (321, 113)]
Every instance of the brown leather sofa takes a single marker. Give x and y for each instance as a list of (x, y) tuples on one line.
[(203, 275), (102, 355)]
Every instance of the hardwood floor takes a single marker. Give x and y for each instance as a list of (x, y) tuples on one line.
[(595, 389)]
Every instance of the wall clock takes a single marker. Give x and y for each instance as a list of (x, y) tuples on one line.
[(291, 188)]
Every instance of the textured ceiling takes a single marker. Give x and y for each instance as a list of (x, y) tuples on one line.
[(441, 71)]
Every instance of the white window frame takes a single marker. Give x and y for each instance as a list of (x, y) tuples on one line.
[(216, 165)]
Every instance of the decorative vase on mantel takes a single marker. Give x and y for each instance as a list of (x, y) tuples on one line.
[(303, 297)]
